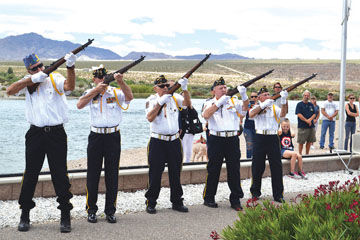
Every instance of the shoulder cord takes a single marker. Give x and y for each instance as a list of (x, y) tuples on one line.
[(177, 105), (277, 119), (232, 100), (117, 101), (54, 85)]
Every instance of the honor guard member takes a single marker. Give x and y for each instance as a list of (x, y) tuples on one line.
[(266, 143), (46, 111), (165, 145), (222, 114), (106, 105)]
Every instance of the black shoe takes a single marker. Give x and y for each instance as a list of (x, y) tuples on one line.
[(321, 147), (255, 198), (211, 204), (150, 210), (280, 200), (237, 207), (65, 225), (180, 208), (24, 225), (111, 218), (92, 218)]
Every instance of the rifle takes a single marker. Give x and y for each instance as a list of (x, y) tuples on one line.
[(53, 66), (108, 78), (292, 87), (234, 91), (177, 85)]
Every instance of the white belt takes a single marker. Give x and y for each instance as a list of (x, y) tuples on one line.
[(267, 132), (165, 137), (224, 133), (105, 130)]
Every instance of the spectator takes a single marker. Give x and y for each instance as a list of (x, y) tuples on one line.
[(249, 127), (317, 115), (329, 111), (287, 150), (306, 129), (277, 89), (350, 125)]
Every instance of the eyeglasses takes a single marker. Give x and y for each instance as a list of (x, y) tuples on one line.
[(253, 96), (277, 87), (163, 85), (352, 98), (36, 67)]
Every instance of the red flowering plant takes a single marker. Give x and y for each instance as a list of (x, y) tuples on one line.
[(332, 212)]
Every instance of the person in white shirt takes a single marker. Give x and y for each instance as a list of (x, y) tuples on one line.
[(46, 112), (329, 110), (223, 116), (162, 111), (106, 105), (266, 143)]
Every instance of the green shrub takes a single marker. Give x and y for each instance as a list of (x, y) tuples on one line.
[(332, 212)]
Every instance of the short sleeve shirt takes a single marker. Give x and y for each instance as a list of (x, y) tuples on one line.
[(307, 110), (330, 108)]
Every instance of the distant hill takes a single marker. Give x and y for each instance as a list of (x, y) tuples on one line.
[(16, 47)]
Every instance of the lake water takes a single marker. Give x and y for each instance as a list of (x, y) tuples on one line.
[(134, 130)]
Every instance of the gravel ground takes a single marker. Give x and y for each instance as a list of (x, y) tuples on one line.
[(46, 211)]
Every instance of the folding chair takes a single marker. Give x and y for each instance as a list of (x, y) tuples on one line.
[(355, 149)]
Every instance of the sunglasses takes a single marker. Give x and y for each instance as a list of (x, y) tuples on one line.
[(352, 98), (253, 96), (163, 85), (277, 87), (36, 67)]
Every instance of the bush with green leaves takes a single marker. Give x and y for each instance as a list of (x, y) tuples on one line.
[(332, 212)]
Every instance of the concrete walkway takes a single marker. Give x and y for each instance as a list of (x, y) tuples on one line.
[(165, 224)]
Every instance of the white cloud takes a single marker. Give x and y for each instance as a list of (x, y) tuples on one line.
[(112, 39)]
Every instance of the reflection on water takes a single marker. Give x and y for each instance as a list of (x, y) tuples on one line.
[(134, 130)]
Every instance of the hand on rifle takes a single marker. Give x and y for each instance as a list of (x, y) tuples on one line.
[(242, 91), (183, 82), (266, 103), (221, 101), (39, 77), (101, 87), (70, 59), (164, 99), (118, 77), (284, 94)]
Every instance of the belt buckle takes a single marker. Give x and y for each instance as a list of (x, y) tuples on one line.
[(47, 129)]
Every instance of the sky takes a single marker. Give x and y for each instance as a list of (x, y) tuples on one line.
[(263, 29)]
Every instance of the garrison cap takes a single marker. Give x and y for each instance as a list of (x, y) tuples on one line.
[(31, 60), (218, 82), (99, 72), (263, 90), (160, 79)]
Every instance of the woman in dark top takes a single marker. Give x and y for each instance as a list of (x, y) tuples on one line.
[(350, 125)]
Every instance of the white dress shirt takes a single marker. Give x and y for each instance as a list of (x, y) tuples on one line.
[(167, 123), (266, 120), (105, 111), (226, 117)]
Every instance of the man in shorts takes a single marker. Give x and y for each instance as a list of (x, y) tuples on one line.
[(305, 112)]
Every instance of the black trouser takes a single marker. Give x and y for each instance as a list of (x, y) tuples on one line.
[(267, 145), (50, 141), (103, 146), (218, 149), (159, 153)]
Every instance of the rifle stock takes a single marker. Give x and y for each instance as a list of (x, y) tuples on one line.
[(292, 87), (54, 65), (108, 78), (234, 91), (176, 85)]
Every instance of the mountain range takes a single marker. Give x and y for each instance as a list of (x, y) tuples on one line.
[(16, 47)]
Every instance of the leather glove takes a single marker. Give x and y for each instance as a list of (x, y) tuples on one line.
[(242, 91), (164, 99), (221, 101), (183, 82), (284, 94), (39, 77), (266, 103), (70, 59)]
